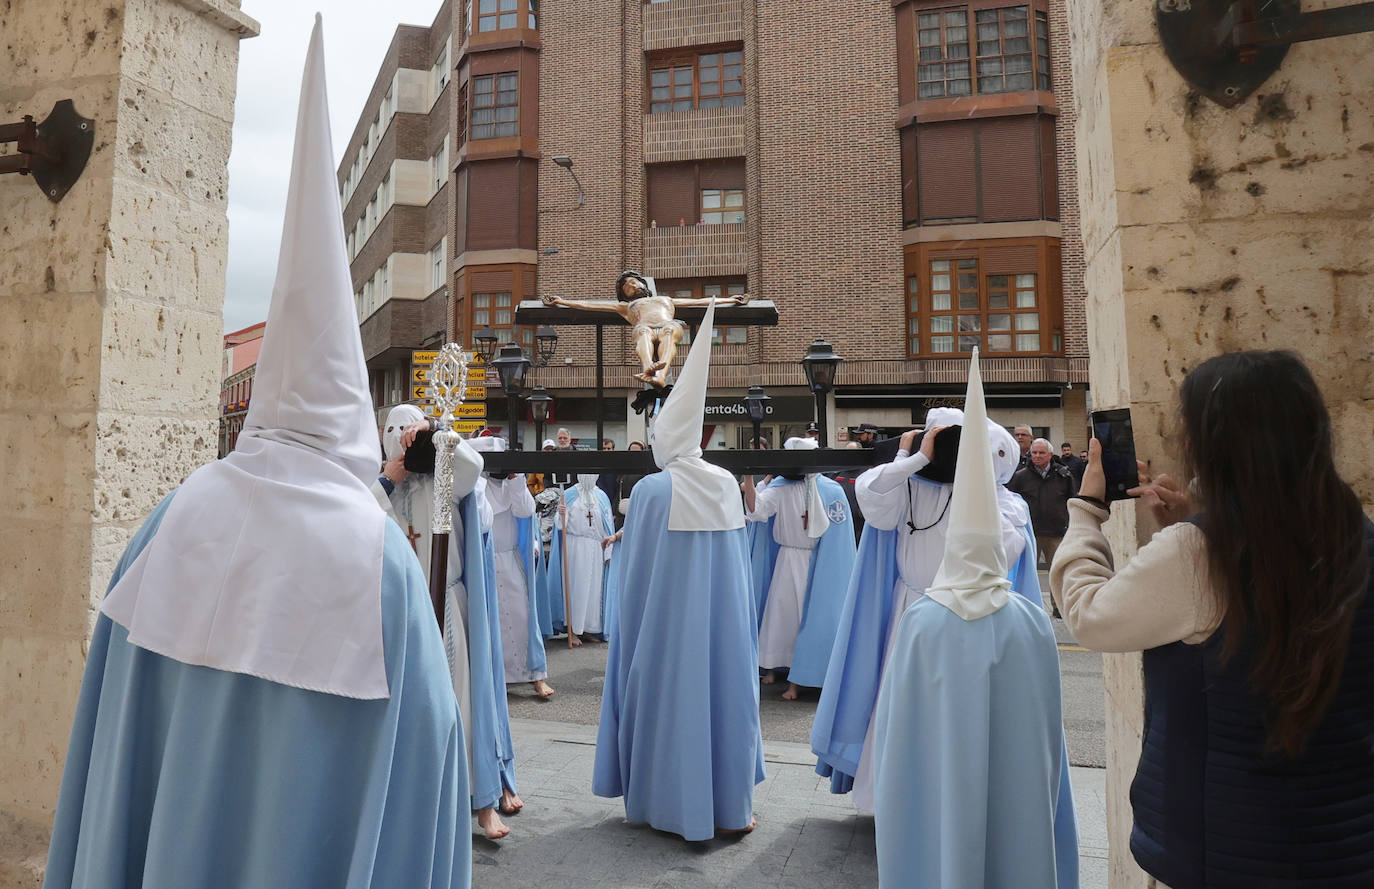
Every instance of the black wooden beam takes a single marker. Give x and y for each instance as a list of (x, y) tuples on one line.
[(642, 462), (758, 313)]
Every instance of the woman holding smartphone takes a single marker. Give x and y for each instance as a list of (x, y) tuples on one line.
[(1254, 607)]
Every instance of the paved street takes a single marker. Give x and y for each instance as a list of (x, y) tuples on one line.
[(806, 837)]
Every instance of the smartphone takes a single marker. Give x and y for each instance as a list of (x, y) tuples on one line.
[(1112, 429)]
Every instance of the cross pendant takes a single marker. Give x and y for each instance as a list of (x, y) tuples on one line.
[(806, 518), (412, 535)]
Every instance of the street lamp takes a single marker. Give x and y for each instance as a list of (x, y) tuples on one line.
[(539, 401), (511, 365), (820, 363), (483, 343), (566, 163), (756, 403), (547, 338)]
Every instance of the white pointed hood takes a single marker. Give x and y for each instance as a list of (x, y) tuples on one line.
[(705, 497), (269, 562), (400, 416), (818, 521), (972, 580)]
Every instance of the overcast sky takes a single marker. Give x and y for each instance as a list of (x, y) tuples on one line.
[(356, 35)]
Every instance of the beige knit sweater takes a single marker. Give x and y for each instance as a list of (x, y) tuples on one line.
[(1162, 594)]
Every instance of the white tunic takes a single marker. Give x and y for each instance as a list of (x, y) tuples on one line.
[(892, 498), (782, 614), (510, 500), (586, 528)]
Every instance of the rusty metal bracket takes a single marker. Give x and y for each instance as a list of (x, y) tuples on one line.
[(54, 152), (1227, 48)]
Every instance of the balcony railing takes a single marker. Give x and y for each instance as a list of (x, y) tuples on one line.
[(694, 251), (692, 135), (692, 23)]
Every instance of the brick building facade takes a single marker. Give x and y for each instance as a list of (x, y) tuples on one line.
[(394, 185), (896, 175)]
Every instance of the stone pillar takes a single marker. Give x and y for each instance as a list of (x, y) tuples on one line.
[(110, 333), (1209, 230)]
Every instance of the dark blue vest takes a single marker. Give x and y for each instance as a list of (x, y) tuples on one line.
[(1212, 811)]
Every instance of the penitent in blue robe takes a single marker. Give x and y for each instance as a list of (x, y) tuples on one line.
[(180, 775), (537, 605), (679, 736), (968, 740), (832, 561), (856, 662), (472, 579)]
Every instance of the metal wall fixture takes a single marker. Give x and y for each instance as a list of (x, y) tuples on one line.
[(1227, 48), (54, 152)]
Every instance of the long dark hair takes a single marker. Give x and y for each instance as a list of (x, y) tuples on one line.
[(1285, 535)]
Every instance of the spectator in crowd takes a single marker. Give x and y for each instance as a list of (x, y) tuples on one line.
[(548, 445), (561, 480), (1254, 608), (1047, 487), (866, 434), (624, 485), (1024, 437), (1073, 464), (812, 430)]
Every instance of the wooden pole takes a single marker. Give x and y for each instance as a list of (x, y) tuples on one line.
[(438, 575)]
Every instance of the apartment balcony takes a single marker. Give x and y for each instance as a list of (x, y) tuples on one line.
[(694, 135), (694, 251), (692, 23)]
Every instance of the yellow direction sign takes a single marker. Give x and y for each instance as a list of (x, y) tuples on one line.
[(424, 357), (475, 393), (419, 374), (419, 393), (467, 427), (471, 411)]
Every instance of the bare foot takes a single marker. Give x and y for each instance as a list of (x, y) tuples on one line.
[(594, 640), (510, 803), (491, 825), (791, 693), (543, 689), (753, 822), (574, 640), (768, 678)]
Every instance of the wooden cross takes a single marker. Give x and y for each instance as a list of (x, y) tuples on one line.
[(412, 535), (806, 518)]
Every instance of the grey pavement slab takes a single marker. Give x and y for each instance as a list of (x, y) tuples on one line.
[(806, 836)]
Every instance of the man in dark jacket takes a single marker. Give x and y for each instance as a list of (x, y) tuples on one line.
[(1047, 487)]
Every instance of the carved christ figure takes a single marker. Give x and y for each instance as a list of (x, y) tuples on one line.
[(656, 330)]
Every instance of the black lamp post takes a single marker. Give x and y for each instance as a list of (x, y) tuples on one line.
[(483, 343), (756, 403), (539, 401), (511, 365), (820, 363), (547, 338)]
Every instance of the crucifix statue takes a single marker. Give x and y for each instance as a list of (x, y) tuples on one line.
[(656, 330)]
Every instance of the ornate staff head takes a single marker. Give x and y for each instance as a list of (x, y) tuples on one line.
[(448, 380)]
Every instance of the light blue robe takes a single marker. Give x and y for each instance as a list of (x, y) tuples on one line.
[(968, 740), (181, 775), (856, 662), (554, 576), (832, 561), (472, 567), (679, 736)]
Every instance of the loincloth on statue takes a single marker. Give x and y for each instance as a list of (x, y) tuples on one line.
[(655, 330)]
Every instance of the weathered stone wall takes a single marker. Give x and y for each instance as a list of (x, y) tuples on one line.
[(1209, 230), (110, 326)]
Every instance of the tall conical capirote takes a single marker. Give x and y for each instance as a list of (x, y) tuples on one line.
[(972, 578)]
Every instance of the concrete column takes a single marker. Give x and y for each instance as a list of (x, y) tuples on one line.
[(110, 332), (1209, 230)]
